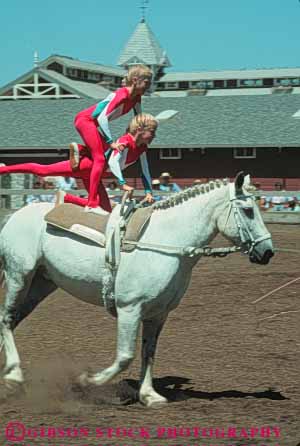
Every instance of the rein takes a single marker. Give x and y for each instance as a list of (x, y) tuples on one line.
[(190, 251)]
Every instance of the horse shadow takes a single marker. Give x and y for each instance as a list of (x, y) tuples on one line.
[(174, 388)]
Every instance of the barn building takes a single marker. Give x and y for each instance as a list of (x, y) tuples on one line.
[(227, 121)]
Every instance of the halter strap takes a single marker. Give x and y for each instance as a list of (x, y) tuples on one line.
[(241, 224)]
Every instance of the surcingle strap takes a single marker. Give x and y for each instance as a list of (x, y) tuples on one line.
[(136, 226)]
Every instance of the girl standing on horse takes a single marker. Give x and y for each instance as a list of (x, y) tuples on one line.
[(93, 126)]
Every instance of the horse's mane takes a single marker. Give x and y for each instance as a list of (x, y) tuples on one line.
[(179, 197)]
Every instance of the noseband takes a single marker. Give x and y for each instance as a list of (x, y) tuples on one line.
[(248, 242)]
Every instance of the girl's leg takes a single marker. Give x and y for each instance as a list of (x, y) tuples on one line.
[(102, 196), (62, 168), (78, 200), (74, 199), (92, 139)]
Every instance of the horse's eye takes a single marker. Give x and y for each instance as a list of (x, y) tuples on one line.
[(248, 211)]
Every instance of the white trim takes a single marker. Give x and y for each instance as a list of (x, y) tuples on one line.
[(37, 90), (244, 149), (163, 155)]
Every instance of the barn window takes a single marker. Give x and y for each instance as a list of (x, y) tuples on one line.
[(244, 152), (167, 154), (269, 82), (251, 82), (218, 84), (231, 83), (285, 82), (183, 85), (206, 84), (171, 84)]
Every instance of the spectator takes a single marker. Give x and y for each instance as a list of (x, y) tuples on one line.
[(197, 182), (293, 205), (297, 207), (48, 184), (278, 186), (166, 185), (66, 183), (34, 198), (264, 203), (277, 203), (156, 187), (113, 187)]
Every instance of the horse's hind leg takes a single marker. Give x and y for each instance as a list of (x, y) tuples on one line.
[(151, 331), (22, 296)]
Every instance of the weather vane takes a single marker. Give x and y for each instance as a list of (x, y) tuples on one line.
[(144, 6)]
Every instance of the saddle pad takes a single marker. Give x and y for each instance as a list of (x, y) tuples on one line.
[(72, 218), (135, 227)]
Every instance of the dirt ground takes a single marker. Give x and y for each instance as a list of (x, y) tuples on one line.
[(218, 362)]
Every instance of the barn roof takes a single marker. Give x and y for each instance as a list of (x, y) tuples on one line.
[(230, 121), (71, 62), (231, 74)]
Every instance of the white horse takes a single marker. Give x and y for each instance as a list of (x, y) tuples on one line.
[(150, 281)]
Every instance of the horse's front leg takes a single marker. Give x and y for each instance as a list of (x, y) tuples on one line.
[(128, 325), (151, 331)]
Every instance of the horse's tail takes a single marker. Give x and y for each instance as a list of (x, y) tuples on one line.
[(3, 222), (2, 285), (2, 274)]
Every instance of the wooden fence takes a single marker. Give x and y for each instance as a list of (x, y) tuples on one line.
[(283, 217)]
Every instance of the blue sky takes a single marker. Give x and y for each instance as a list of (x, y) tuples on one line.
[(197, 34)]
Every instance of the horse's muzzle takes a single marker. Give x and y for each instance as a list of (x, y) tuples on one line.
[(264, 260)]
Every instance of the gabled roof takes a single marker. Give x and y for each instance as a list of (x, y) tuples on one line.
[(20, 80), (231, 74), (77, 88), (143, 47), (231, 121), (84, 89), (76, 63)]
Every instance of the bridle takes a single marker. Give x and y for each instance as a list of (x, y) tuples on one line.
[(248, 242)]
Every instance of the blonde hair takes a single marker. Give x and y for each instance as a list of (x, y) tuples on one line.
[(142, 121), (136, 71)]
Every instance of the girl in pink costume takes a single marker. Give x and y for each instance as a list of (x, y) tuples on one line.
[(93, 126)]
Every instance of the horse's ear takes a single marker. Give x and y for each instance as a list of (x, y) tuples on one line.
[(247, 181), (239, 181)]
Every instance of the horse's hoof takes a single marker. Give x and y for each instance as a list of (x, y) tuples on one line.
[(153, 402), (83, 380), (9, 389)]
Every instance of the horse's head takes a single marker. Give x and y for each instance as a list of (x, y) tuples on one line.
[(242, 222)]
